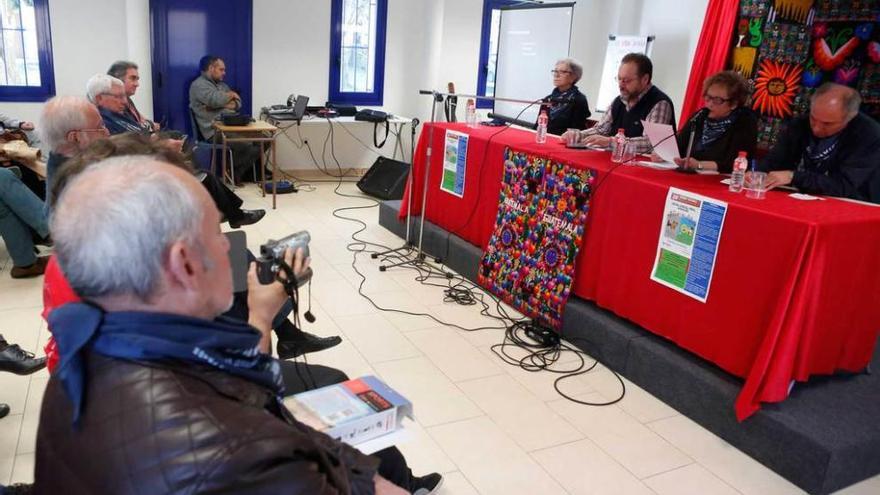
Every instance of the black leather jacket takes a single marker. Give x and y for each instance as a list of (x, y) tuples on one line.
[(151, 428)]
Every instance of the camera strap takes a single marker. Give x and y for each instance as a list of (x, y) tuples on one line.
[(290, 288)]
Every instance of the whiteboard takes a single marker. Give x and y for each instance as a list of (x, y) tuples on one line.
[(618, 47), (530, 41)]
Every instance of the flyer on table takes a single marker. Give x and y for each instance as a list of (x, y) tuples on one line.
[(688, 243), (454, 163)]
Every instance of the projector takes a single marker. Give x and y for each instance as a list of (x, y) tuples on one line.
[(236, 119)]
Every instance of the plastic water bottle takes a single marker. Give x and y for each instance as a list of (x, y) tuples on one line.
[(541, 135), (618, 145), (739, 172), (470, 113)]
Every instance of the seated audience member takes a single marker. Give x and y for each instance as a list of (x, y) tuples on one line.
[(67, 125), (70, 123), (8, 123), (20, 211), (209, 98), (127, 72), (18, 148), (834, 151), (568, 107), (292, 341), (721, 129), (108, 94), (639, 100), (147, 348)]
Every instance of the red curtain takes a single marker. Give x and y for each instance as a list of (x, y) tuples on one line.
[(712, 50)]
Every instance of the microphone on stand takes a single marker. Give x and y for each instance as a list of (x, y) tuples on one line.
[(451, 104)]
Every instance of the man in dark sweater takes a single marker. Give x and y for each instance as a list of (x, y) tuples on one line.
[(834, 151), (639, 100)]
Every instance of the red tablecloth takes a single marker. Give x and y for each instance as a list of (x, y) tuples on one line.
[(796, 288)]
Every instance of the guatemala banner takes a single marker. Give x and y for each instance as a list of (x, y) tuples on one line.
[(529, 260)]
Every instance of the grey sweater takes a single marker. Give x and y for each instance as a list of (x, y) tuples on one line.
[(207, 100)]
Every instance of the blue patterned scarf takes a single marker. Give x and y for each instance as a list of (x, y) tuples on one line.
[(713, 129), (557, 105), (819, 151), (225, 344)]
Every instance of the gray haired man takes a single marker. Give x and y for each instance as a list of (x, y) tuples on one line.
[(68, 124), (834, 151), (153, 389), (127, 72)]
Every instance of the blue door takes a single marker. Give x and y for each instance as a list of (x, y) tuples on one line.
[(183, 31)]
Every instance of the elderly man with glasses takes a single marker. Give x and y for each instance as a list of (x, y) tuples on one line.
[(67, 125), (639, 100), (108, 93)]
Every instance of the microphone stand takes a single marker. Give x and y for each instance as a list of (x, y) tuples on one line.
[(436, 97), (408, 244)]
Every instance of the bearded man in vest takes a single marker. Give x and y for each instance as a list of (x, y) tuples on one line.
[(639, 100)]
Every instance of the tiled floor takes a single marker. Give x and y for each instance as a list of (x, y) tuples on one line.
[(490, 428)]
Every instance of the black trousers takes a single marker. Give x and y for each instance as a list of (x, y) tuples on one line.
[(227, 201), (246, 157), (299, 377)]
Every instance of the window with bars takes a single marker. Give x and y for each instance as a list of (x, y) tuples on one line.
[(25, 51), (357, 52)]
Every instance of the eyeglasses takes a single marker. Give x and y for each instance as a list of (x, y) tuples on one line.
[(102, 130), (556, 72), (716, 100), (626, 81)]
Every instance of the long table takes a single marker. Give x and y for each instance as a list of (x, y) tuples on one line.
[(796, 287)]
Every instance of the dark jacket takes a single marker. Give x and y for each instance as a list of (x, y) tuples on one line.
[(742, 136), (119, 123), (569, 114), (631, 120), (172, 428), (853, 171)]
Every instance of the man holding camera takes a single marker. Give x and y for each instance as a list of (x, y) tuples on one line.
[(153, 390)]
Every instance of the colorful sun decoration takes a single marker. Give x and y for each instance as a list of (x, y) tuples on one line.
[(775, 88)]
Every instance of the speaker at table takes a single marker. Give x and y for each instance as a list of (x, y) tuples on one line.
[(386, 179)]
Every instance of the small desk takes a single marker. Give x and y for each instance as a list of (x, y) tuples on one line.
[(395, 122), (256, 132)]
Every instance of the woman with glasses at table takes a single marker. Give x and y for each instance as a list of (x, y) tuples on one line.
[(721, 129), (567, 107)]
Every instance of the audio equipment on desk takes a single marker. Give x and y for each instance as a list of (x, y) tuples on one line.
[(342, 109), (236, 119)]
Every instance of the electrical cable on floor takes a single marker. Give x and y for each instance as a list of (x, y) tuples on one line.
[(540, 356)]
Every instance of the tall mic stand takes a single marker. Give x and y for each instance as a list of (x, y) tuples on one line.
[(408, 244), (420, 255), (436, 97)]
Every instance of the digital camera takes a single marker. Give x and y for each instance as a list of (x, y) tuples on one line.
[(272, 254)]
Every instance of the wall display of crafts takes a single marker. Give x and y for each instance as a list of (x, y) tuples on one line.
[(788, 48)]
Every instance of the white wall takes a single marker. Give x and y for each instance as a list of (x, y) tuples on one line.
[(299, 63), (87, 36), (676, 23), (429, 43)]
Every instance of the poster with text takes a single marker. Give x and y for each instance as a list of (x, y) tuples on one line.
[(688, 243), (454, 163), (529, 261)]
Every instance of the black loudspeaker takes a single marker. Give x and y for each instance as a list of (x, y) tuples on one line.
[(386, 179)]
